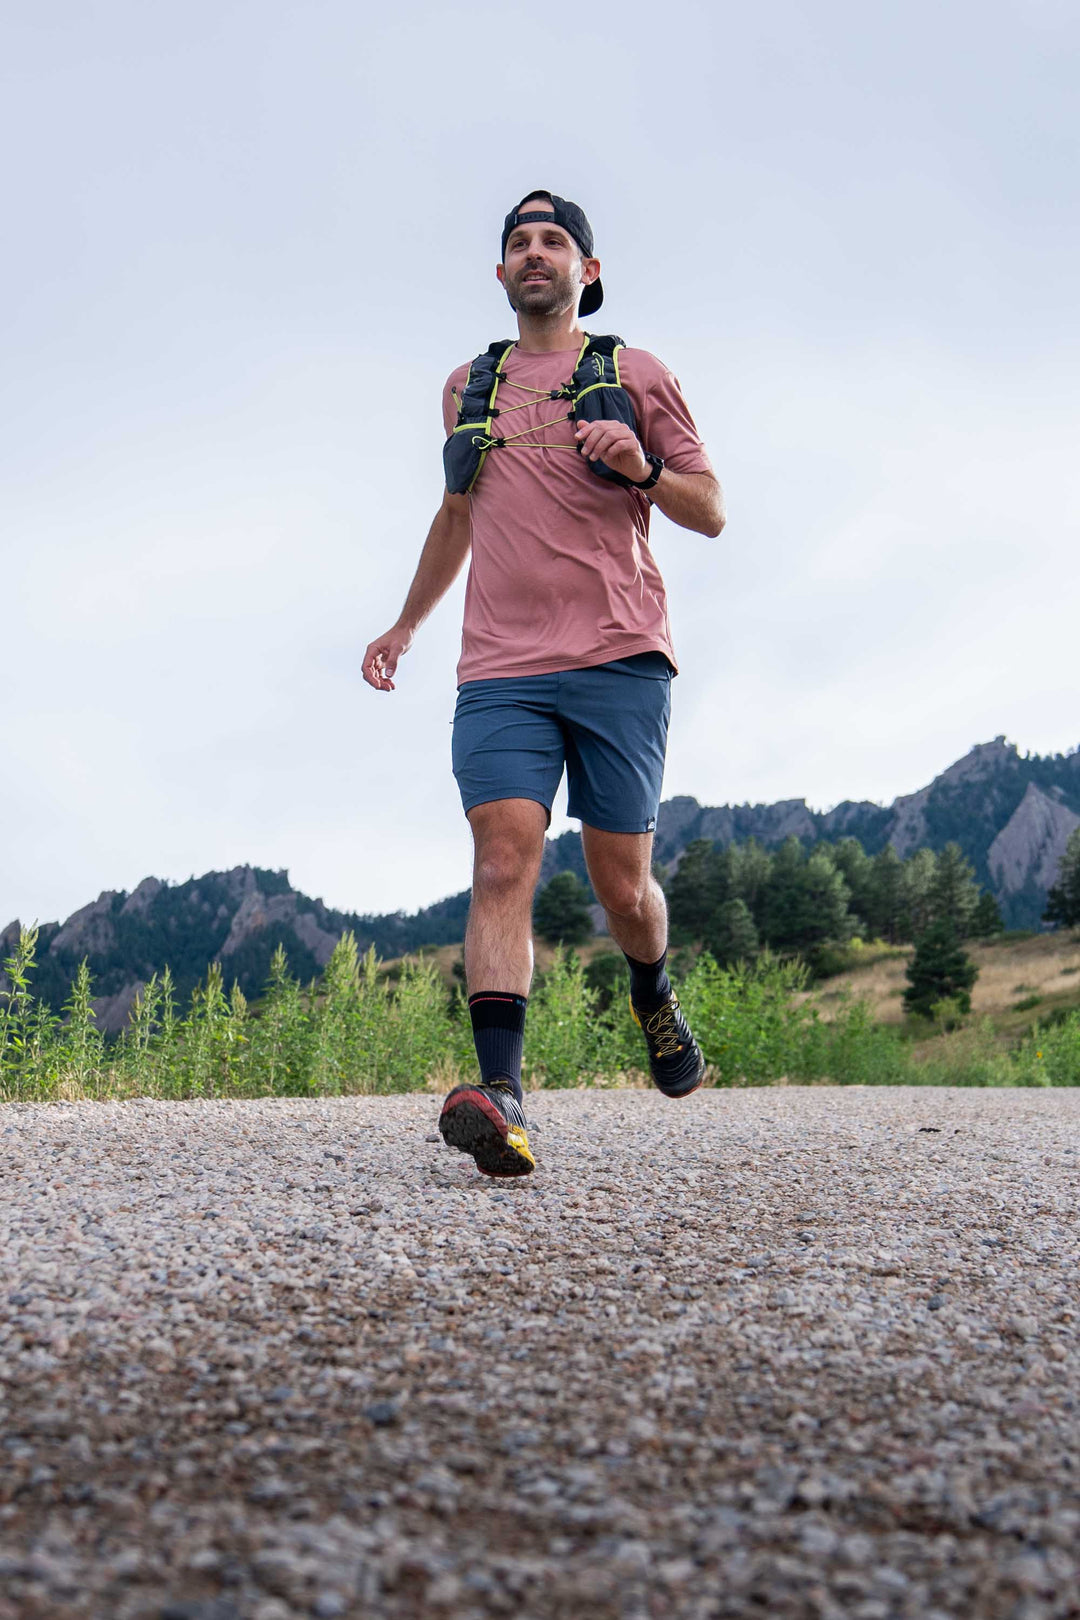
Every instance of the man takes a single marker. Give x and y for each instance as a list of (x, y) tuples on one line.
[(566, 650)]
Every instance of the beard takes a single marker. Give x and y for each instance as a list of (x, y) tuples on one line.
[(542, 297)]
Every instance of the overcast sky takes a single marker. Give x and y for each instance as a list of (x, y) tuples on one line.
[(244, 245)]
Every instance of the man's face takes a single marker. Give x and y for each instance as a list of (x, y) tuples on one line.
[(543, 271)]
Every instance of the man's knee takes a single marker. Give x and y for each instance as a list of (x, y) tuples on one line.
[(503, 865), (507, 854), (623, 894)]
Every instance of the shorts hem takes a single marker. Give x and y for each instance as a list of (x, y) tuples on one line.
[(504, 793), (646, 824)]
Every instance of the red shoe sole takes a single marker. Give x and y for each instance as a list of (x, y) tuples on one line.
[(471, 1123)]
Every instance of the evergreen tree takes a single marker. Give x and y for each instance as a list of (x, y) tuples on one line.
[(561, 911), (746, 871), (857, 870), (940, 970), (1063, 900), (885, 910), (731, 936), (695, 890), (805, 900), (915, 913), (986, 918), (954, 894)]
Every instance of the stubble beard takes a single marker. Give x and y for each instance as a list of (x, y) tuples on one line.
[(542, 298)]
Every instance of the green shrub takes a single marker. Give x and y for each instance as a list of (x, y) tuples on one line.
[(1050, 1055), (563, 1033), (352, 1031)]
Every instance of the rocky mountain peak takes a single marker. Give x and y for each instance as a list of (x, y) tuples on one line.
[(1027, 851)]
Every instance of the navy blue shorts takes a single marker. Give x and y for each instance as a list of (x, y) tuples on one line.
[(606, 725)]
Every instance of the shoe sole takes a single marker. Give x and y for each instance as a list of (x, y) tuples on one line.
[(472, 1124), (675, 1096)]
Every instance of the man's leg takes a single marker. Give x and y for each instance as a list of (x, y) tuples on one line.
[(488, 1120), (508, 846), (620, 869)]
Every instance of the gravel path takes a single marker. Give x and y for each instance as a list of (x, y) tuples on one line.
[(789, 1352)]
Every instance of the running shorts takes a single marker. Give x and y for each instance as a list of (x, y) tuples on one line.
[(606, 726)]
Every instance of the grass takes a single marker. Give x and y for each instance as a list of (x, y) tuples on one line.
[(1020, 964), (360, 1028)]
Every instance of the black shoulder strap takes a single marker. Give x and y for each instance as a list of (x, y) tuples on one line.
[(603, 345), (598, 364), (483, 373)]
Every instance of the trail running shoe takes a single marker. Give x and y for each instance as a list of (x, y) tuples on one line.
[(675, 1060), (488, 1122)]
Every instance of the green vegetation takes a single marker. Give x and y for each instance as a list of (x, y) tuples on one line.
[(1063, 900), (352, 1030), (940, 971), (561, 913), (811, 902), (188, 925)]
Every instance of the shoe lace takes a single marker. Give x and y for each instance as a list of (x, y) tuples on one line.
[(663, 1030)]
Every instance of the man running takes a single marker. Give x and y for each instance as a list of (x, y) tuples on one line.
[(556, 448)]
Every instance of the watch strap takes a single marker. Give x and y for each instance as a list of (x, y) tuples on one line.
[(656, 467)]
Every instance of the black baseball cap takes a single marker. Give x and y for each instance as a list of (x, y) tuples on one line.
[(573, 221)]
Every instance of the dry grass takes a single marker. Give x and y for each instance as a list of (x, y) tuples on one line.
[(1010, 971)]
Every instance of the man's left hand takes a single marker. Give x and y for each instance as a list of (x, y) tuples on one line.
[(616, 445)]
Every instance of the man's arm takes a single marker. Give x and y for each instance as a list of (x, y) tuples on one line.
[(692, 500), (445, 550)]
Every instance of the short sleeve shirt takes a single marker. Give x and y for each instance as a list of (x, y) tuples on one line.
[(561, 574)]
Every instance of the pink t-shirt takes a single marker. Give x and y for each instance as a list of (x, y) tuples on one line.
[(562, 575)]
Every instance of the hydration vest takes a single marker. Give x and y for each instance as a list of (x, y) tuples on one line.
[(594, 393)]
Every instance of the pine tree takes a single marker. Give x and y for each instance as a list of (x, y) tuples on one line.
[(915, 912), (940, 970), (731, 936), (695, 890), (954, 894), (805, 901), (986, 918), (1063, 900), (885, 909), (561, 912), (746, 871), (857, 870)]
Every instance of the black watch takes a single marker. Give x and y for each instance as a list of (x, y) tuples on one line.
[(656, 467)]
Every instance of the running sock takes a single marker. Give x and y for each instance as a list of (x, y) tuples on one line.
[(498, 1026), (649, 984)]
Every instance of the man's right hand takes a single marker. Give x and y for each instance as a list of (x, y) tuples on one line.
[(381, 658)]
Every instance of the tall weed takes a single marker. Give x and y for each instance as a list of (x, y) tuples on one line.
[(353, 1031)]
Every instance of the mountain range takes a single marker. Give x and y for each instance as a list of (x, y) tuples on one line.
[(1011, 814)]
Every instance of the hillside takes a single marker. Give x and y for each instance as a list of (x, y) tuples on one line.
[(1010, 814), (238, 918), (1020, 980)]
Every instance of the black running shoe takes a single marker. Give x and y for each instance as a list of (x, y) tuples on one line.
[(675, 1060), (488, 1122)]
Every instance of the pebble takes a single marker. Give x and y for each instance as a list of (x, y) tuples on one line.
[(290, 1358)]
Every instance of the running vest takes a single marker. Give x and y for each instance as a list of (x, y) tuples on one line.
[(593, 394)]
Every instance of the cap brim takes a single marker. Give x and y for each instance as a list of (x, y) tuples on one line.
[(591, 298)]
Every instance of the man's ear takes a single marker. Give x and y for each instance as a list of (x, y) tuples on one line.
[(501, 273), (590, 271)]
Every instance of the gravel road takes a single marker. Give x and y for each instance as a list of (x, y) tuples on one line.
[(786, 1352)]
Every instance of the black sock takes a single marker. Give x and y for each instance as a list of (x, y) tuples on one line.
[(498, 1026), (649, 983)]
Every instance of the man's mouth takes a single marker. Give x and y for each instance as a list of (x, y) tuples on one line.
[(535, 275)]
